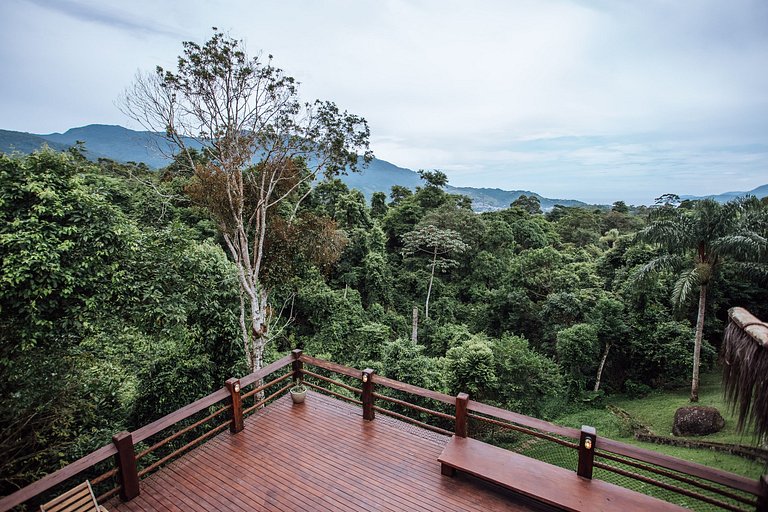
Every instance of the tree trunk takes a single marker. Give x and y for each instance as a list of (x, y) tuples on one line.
[(415, 324), (429, 290), (602, 365), (697, 343)]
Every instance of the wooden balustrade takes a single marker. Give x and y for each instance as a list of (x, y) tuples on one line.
[(586, 441), (462, 420), (296, 365), (367, 395), (236, 402), (127, 459)]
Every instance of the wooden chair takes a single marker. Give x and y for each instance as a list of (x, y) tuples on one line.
[(79, 499)]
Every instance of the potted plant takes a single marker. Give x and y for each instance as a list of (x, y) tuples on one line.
[(298, 393)]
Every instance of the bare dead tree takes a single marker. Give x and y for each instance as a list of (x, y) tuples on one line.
[(262, 147)]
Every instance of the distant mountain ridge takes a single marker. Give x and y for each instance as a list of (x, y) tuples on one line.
[(759, 192), (125, 145)]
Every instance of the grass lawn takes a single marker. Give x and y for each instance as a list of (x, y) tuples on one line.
[(657, 411)]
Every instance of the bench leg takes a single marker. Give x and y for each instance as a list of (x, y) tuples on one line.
[(447, 470)]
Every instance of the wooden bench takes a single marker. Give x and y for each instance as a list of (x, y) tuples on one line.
[(79, 499), (543, 482)]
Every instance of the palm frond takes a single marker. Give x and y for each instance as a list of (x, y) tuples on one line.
[(659, 264), (687, 281), (746, 244), (754, 272), (666, 232)]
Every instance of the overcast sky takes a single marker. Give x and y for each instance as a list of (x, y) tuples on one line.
[(593, 100)]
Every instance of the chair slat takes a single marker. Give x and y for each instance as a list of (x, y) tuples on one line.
[(78, 499)]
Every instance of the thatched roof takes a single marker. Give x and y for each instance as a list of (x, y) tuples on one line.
[(745, 369)]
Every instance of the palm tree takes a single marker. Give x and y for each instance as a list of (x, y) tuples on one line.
[(696, 240)]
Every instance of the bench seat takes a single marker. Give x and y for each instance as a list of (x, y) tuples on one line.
[(543, 482)]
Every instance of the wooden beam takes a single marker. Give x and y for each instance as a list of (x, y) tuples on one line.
[(762, 498), (750, 324), (297, 365), (125, 461), (462, 400), (233, 386), (367, 396), (587, 451)]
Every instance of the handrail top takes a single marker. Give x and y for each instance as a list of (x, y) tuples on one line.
[(53, 479), (198, 405)]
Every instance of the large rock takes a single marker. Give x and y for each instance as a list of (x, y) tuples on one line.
[(697, 421)]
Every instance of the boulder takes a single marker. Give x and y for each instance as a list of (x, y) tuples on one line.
[(697, 420)]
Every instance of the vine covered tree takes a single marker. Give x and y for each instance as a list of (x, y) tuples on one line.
[(262, 148), (695, 242), (438, 243)]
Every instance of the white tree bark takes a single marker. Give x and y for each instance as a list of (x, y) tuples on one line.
[(601, 366)]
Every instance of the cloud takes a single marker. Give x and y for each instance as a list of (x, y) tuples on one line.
[(598, 99), (103, 14)]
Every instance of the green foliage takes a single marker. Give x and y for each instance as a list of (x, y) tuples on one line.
[(95, 306), (578, 351), (530, 204), (378, 205), (696, 239), (405, 361), (471, 368), (59, 242), (528, 382), (173, 379)]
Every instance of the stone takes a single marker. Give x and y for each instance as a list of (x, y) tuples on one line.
[(697, 420)]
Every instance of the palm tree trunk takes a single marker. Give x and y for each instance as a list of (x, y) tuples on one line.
[(602, 365), (697, 343)]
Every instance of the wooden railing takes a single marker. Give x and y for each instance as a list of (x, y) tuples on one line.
[(447, 415), (707, 485), (127, 469)]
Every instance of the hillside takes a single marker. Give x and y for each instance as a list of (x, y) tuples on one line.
[(125, 145), (11, 141), (117, 143), (759, 192)]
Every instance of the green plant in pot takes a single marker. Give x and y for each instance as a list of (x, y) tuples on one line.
[(298, 393)]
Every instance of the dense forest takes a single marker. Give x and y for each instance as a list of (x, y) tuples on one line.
[(117, 286)]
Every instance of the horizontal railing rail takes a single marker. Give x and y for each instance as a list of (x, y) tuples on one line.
[(706, 484)]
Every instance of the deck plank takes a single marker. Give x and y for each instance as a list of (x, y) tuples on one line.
[(317, 456)]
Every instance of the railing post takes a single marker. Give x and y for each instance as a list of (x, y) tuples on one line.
[(297, 365), (762, 499), (586, 451), (367, 397), (125, 459), (233, 386), (462, 400)]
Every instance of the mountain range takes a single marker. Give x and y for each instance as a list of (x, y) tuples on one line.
[(125, 145)]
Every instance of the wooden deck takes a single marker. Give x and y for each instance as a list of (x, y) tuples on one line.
[(320, 455)]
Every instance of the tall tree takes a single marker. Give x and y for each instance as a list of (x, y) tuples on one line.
[(263, 146), (608, 317), (695, 242), (530, 204), (439, 244)]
